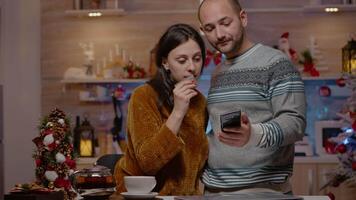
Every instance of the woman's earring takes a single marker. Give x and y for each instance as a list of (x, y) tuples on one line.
[(166, 69)]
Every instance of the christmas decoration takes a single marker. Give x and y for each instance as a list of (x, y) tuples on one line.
[(349, 56), (284, 46), (316, 53), (340, 82), (134, 70), (54, 156), (324, 91), (308, 63), (215, 56), (345, 142)]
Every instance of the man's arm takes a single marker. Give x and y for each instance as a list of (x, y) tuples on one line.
[(288, 105)]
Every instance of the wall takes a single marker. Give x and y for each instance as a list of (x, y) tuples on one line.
[(138, 32), (1, 118), (20, 69)]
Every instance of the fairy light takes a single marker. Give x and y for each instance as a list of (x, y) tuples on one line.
[(331, 10), (95, 14)]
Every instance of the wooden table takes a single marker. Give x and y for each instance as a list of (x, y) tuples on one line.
[(119, 197)]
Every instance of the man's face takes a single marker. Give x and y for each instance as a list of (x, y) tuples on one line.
[(223, 26)]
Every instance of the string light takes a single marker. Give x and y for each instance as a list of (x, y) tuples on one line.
[(95, 14), (331, 10)]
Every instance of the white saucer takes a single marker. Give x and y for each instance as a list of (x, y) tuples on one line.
[(128, 195)]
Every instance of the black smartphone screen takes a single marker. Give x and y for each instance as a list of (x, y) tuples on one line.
[(229, 120)]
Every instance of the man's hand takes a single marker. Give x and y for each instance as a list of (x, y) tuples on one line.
[(237, 136)]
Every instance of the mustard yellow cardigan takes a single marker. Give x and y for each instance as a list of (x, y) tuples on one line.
[(152, 149)]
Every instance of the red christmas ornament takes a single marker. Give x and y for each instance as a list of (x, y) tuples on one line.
[(341, 82), (324, 91), (341, 148), (331, 196)]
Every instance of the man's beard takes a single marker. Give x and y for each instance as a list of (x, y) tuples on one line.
[(237, 44)]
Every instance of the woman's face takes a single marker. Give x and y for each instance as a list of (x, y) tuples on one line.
[(184, 61)]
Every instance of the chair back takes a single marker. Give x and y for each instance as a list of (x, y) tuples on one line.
[(109, 161)]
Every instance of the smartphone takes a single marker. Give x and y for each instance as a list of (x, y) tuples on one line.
[(230, 120)]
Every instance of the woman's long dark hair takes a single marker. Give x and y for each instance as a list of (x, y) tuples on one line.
[(172, 38)]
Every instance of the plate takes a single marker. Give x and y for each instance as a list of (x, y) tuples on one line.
[(128, 195), (98, 195)]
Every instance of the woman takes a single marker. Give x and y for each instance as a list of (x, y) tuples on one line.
[(167, 118)]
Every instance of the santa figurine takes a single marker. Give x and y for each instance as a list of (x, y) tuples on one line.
[(284, 46)]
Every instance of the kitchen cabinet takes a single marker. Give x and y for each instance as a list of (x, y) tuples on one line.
[(309, 176)]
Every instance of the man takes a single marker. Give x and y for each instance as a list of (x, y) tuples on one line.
[(262, 83)]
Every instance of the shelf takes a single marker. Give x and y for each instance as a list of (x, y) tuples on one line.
[(122, 12), (163, 12), (95, 81), (104, 12)]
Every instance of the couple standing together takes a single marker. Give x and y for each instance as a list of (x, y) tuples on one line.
[(167, 116)]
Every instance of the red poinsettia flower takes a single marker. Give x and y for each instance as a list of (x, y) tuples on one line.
[(51, 146), (37, 141), (62, 183), (71, 163), (38, 162), (46, 132)]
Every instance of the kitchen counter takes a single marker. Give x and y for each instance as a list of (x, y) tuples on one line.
[(316, 159), (298, 159)]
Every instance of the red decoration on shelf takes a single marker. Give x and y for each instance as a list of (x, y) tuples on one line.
[(341, 82), (308, 64), (341, 148), (215, 56), (324, 91)]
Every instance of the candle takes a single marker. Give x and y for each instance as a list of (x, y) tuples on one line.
[(117, 50), (86, 147), (110, 56)]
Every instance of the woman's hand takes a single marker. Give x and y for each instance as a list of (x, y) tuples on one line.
[(183, 92)]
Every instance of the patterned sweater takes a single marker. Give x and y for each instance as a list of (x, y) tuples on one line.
[(176, 161), (265, 85)]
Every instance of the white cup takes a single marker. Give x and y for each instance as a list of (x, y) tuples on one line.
[(139, 184)]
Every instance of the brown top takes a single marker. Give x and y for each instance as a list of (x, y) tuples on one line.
[(152, 149)]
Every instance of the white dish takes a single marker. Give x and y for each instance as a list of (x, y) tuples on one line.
[(128, 195)]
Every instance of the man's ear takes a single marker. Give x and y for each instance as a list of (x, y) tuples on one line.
[(243, 17)]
